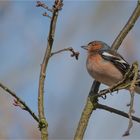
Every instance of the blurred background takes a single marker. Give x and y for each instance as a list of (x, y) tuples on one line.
[(23, 39)]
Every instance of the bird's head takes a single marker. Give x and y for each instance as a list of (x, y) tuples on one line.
[(95, 46)]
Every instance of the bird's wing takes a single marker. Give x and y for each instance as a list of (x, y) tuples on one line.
[(116, 59)]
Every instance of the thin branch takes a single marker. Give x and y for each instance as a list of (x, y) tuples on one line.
[(130, 124), (43, 5), (129, 25), (104, 92), (24, 106), (116, 44), (132, 93), (46, 15), (44, 125), (74, 54), (116, 111)]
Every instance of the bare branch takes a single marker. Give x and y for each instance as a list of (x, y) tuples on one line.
[(43, 5), (132, 93), (129, 25), (46, 15), (58, 5), (19, 102), (91, 105), (74, 54), (113, 110), (42, 119)]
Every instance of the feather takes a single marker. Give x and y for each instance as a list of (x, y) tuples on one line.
[(116, 60)]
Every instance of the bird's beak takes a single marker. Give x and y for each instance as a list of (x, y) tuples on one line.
[(84, 47)]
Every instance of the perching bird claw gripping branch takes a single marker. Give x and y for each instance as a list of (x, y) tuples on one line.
[(127, 82)]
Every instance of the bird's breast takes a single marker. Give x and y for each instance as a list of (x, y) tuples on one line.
[(103, 71)]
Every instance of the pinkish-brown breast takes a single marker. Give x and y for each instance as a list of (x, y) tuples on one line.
[(103, 71)]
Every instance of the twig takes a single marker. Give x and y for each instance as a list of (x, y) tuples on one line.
[(58, 5), (116, 44), (24, 106), (132, 91), (130, 124), (43, 5), (74, 54), (46, 15), (44, 125), (113, 110)]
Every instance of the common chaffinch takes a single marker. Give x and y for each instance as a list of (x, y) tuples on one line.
[(105, 65)]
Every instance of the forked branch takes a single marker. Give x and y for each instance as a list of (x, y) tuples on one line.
[(44, 125)]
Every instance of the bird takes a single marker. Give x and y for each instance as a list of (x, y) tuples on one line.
[(105, 65)]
